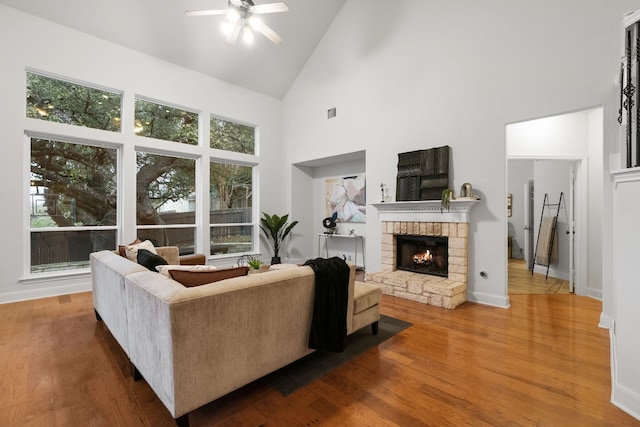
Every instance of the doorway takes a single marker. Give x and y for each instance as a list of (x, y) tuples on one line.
[(576, 139), (540, 189)]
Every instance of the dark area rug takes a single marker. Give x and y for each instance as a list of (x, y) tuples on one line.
[(302, 372)]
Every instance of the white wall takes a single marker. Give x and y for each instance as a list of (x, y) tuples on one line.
[(415, 74), (519, 174), (27, 41)]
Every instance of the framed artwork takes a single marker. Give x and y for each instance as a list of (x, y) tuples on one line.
[(509, 204), (346, 196)]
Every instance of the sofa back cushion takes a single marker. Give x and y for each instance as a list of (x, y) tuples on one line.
[(197, 278), (150, 260)]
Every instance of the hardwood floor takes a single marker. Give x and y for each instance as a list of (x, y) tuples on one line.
[(543, 362), (522, 282)]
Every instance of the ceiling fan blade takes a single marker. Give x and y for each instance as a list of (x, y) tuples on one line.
[(236, 3), (258, 25), (270, 8), (204, 12), (233, 34)]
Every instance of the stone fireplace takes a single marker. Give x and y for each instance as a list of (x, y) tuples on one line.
[(403, 222)]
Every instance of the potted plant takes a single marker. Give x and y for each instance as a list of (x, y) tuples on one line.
[(276, 229), (254, 264), (447, 196)]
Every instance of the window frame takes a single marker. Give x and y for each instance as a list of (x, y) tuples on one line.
[(77, 82), (197, 224), (255, 127), (29, 230), (199, 113), (255, 230)]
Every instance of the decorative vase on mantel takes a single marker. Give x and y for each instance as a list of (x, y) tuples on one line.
[(275, 260)]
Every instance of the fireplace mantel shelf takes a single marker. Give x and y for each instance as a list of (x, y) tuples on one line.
[(426, 210)]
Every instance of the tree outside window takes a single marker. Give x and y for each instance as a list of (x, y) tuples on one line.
[(232, 136), (71, 103), (73, 185), (165, 199), (73, 194), (164, 122), (231, 196)]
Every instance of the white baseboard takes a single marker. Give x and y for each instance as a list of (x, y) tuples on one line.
[(488, 299), (627, 400), (44, 292), (606, 321), (595, 293)]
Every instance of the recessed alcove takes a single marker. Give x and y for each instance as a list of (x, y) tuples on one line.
[(308, 201)]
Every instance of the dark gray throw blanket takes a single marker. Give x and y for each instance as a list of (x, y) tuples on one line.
[(329, 322)]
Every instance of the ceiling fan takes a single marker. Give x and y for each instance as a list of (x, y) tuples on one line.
[(241, 15)]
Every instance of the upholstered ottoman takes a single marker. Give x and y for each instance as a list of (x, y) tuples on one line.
[(366, 306)]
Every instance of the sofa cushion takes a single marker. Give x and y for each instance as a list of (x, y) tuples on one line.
[(365, 295), (132, 250), (122, 249), (197, 278), (150, 260), (164, 269)]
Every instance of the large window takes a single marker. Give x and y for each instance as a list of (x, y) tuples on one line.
[(73, 195), (166, 201), (231, 189), (74, 178), (71, 103)]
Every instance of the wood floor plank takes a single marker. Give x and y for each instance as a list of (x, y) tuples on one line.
[(543, 362)]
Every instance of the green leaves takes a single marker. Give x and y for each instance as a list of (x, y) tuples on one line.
[(276, 229), (65, 102)]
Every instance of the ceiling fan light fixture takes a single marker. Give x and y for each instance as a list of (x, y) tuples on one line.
[(241, 18), (226, 27), (255, 22), (247, 35), (233, 15)]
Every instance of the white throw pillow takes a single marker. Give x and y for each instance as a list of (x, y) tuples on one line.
[(132, 250), (164, 269)]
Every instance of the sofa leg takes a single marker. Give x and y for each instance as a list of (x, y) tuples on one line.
[(98, 317), (374, 328), (134, 372), (183, 421)]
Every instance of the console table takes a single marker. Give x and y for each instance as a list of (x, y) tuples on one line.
[(356, 240)]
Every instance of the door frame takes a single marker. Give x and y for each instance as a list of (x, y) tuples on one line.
[(580, 209)]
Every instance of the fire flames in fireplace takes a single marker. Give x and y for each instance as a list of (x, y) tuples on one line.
[(423, 257)]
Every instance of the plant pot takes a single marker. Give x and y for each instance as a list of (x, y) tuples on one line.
[(275, 260)]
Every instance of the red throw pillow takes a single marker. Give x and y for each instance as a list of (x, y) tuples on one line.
[(197, 278)]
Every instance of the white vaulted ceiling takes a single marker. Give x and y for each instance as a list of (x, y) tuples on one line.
[(160, 28)]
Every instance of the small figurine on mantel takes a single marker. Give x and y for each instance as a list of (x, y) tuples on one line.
[(466, 192)]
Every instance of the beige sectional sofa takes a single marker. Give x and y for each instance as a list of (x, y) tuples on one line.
[(195, 344)]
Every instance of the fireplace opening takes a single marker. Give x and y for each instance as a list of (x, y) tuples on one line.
[(423, 254)]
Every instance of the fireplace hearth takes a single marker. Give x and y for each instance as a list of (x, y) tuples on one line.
[(423, 254)]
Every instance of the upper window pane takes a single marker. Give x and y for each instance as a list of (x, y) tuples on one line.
[(71, 103), (165, 191), (167, 123), (72, 185), (231, 136)]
